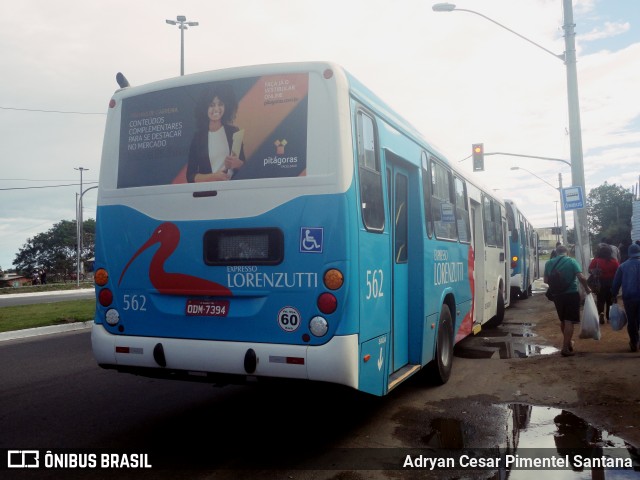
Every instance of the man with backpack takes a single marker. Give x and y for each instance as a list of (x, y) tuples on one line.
[(562, 274), (628, 278)]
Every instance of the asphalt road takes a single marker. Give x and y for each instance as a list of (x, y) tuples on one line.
[(54, 396)]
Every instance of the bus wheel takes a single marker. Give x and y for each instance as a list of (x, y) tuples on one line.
[(439, 369), (499, 318)]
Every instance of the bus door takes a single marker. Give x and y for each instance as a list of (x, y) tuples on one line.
[(479, 262), (398, 184), (507, 262)]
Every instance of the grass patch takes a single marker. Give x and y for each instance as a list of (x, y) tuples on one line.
[(49, 287), (45, 314)]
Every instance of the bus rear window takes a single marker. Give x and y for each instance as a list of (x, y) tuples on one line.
[(245, 128), (263, 246)]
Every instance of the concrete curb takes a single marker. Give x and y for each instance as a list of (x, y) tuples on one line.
[(50, 292)]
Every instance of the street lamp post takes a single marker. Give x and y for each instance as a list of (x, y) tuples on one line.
[(79, 227), (583, 250), (557, 234), (559, 190), (182, 23)]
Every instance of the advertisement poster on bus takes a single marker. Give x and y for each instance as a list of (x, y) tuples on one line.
[(248, 128)]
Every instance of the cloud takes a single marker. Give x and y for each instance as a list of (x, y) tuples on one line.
[(610, 29)]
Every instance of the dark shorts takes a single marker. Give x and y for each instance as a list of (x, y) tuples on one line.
[(568, 307)]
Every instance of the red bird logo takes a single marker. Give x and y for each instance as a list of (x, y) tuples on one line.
[(167, 283)]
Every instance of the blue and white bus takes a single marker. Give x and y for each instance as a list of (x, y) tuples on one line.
[(327, 241), (523, 246)]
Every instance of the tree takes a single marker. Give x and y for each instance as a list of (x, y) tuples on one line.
[(609, 208), (56, 249)]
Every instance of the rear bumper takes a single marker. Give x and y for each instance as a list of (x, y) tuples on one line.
[(334, 362)]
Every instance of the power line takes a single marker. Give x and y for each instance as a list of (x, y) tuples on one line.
[(44, 186), (51, 111), (35, 180)]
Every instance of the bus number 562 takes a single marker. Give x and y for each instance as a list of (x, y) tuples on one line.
[(374, 284), (134, 302)]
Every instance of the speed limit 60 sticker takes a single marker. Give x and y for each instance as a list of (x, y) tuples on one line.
[(289, 319)]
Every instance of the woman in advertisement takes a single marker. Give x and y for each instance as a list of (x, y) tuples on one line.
[(216, 150)]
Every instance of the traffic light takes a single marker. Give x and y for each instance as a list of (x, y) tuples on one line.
[(477, 151)]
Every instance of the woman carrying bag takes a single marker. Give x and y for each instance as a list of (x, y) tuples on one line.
[(602, 270)]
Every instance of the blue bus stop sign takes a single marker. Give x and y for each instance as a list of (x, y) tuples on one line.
[(572, 198)]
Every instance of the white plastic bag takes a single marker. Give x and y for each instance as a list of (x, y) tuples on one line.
[(590, 324), (617, 317)]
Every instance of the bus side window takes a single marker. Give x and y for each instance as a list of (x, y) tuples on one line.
[(462, 210), (511, 223), (442, 205), (426, 194), (488, 221), (371, 196), (497, 216)]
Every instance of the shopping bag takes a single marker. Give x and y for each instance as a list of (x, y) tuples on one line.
[(617, 317), (590, 322)]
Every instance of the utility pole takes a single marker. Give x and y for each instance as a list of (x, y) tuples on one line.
[(79, 228)]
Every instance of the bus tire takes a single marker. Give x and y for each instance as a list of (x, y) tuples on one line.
[(499, 316), (439, 369)]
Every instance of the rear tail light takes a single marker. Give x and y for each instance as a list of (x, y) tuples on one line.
[(101, 277), (333, 279), (327, 303), (514, 261), (112, 316), (105, 297), (318, 326)]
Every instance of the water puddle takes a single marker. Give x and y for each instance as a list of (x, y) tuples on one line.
[(525, 432), (509, 340)]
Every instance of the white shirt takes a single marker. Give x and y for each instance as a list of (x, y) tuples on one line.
[(218, 149)]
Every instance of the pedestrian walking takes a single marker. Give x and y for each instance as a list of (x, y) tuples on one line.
[(554, 252), (615, 251), (603, 268), (627, 278), (567, 300)]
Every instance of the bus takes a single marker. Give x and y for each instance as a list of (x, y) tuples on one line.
[(329, 242), (523, 246)]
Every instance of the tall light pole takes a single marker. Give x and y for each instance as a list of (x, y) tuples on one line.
[(557, 235), (182, 23), (559, 190), (79, 227), (583, 249)]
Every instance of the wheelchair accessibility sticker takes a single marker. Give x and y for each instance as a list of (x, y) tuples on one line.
[(311, 239)]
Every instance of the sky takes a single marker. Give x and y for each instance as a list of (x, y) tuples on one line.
[(457, 77)]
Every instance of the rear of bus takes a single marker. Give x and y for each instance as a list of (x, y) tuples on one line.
[(244, 278), (520, 236)]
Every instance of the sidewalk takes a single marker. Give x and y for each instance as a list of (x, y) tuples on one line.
[(32, 332), (50, 292)]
